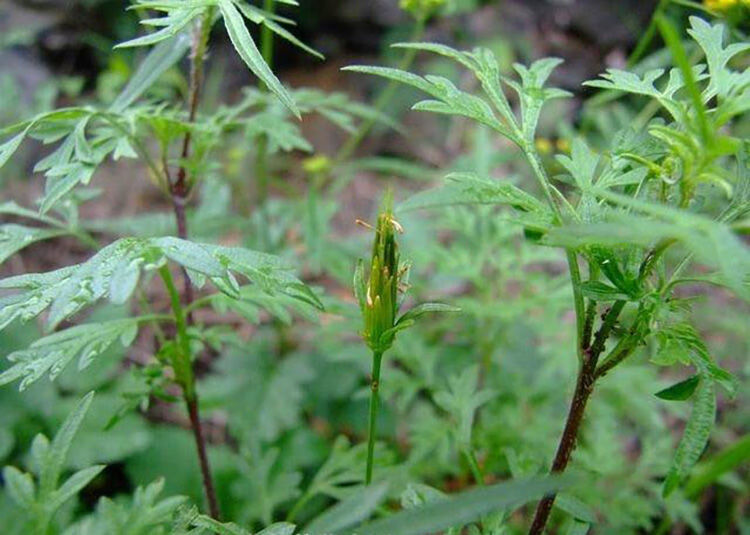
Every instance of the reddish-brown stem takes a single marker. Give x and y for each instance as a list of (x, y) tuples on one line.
[(584, 388), (180, 187), (200, 445), (180, 190)]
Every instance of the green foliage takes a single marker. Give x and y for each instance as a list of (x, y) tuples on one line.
[(630, 204), (251, 325), (462, 509), (695, 437), (42, 496), (145, 514)]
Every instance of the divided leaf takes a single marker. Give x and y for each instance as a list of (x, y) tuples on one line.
[(52, 463), (245, 47), (469, 188), (14, 237), (51, 354), (115, 270)]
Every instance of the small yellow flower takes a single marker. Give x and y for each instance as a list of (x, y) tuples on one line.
[(317, 164), (544, 145)]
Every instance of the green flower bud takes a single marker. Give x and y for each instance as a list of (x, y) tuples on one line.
[(379, 296)]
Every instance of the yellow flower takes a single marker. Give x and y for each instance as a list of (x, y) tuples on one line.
[(544, 145), (317, 164)]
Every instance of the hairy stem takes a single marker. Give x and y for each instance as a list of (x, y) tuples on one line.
[(584, 387), (578, 304), (383, 98), (377, 359), (179, 190), (583, 390)]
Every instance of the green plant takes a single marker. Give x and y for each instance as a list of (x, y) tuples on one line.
[(189, 295), (379, 298), (91, 134), (622, 212)]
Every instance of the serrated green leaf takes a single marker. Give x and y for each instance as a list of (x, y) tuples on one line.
[(695, 437), (461, 400), (393, 74), (469, 188), (8, 148), (710, 37), (483, 63), (599, 291), (114, 270), (160, 59), (61, 181), (14, 238), (173, 23), (713, 242), (533, 94), (259, 16), (250, 54), (190, 255), (52, 464), (72, 486), (50, 354)]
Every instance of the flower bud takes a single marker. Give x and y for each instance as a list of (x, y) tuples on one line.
[(379, 296)]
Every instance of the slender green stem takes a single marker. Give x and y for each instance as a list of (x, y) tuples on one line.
[(294, 511), (181, 360), (184, 376), (476, 472), (261, 147), (575, 272), (575, 281), (541, 175), (647, 37), (382, 100), (377, 358), (266, 35)]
